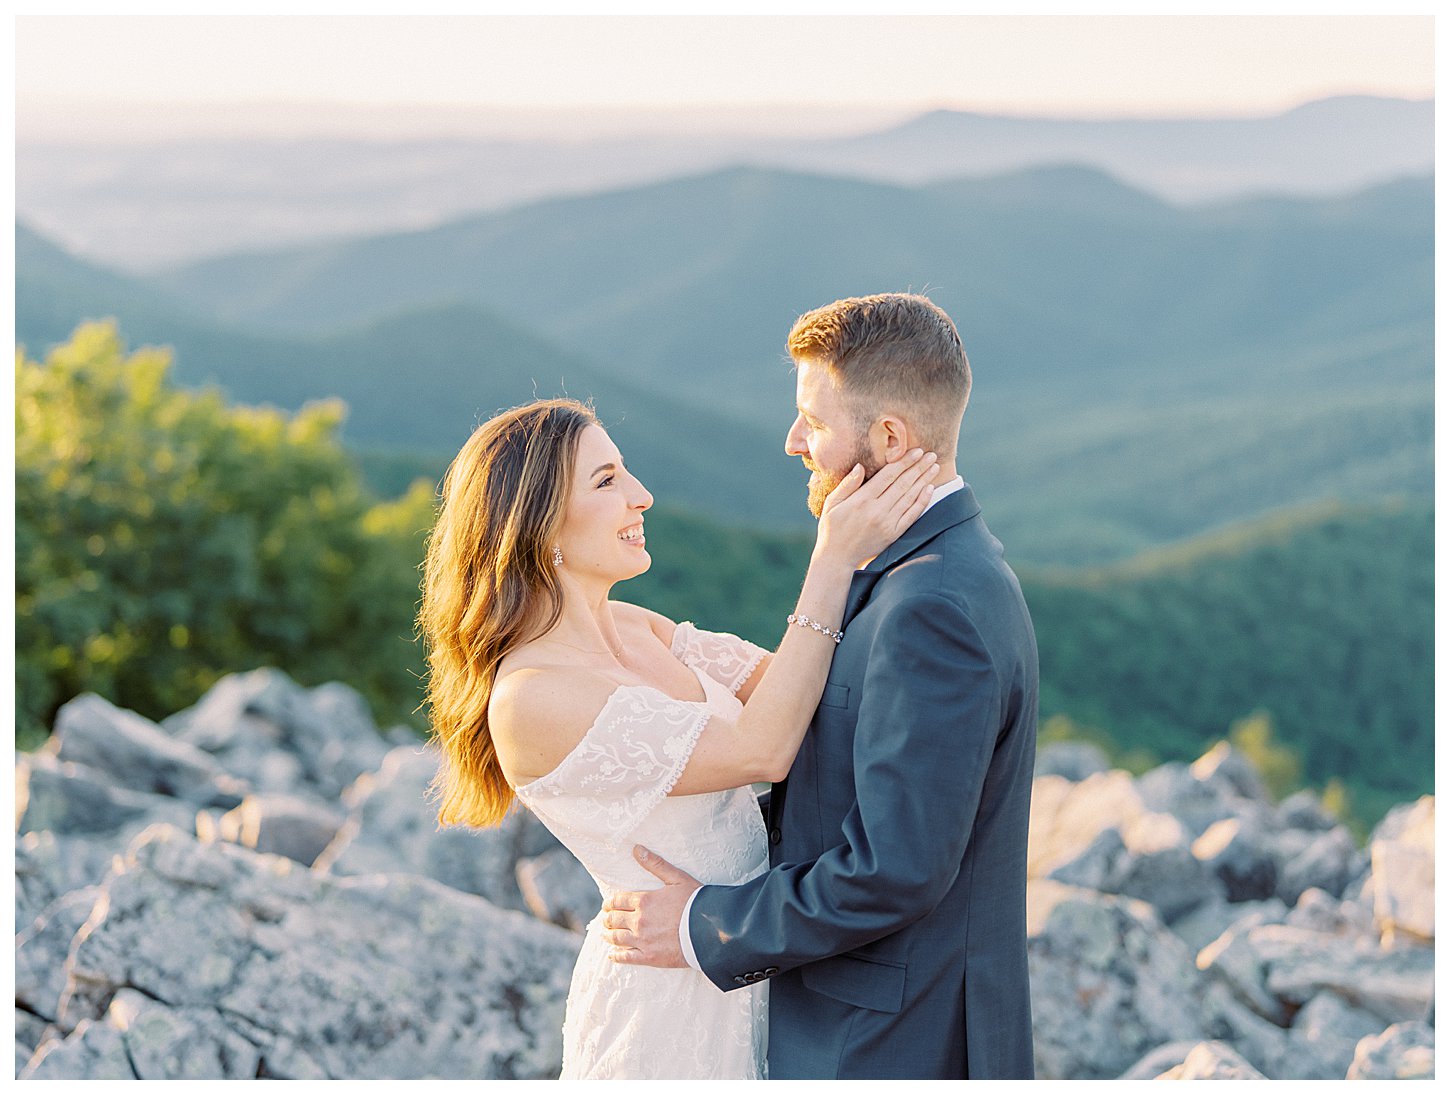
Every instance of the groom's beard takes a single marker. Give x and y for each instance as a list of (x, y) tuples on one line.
[(823, 481)]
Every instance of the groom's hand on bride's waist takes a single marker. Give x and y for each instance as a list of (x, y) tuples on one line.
[(643, 926)]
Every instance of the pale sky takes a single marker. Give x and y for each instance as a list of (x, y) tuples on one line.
[(1054, 64)]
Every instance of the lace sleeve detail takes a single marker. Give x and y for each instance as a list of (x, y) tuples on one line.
[(624, 766), (728, 658)]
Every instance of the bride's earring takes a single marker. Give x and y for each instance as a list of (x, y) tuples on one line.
[(558, 556)]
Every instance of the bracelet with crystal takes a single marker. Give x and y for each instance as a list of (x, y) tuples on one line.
[(806, 621)]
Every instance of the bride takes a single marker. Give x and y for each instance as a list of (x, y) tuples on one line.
[(612, 724)]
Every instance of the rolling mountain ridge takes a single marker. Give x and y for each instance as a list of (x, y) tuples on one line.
[(1142, 372)]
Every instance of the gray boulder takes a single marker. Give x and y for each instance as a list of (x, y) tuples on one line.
[(1237, 856), (1329, 862), (139, 1038), (1264, 1045), (1096, 867), (383, 977), (1326, 1034), (1174, 789), (343, 730), (280, 737), (93, 1051), (1072, 760), (1304, 810), (392, 828), (1406, 1051), (1317, 911), (1109, 982), (41, 949), (1158, 1060), (30, 1031), (134, 753), (72, 824), (1208, 921), (298, 828), (1396, 983), (1226, 768), (557, 888), (1213, 1061), (1402, 872), (1067, 817), (1149, 859), (1232, 960), (74, 800), (1170, 879), (48, 867)]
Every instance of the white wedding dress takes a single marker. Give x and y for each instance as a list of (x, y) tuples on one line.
[(609, 794)]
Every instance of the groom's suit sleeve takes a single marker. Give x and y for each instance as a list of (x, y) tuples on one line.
[(930, 712)]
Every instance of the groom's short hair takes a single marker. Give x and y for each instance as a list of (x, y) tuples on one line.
[(892, 352)]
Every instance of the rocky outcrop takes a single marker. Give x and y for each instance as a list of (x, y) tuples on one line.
[(1212, 1061), (258, 887), (390, 828), (211, 960), (1109, 982), (1405, 1051), (279, 737), (1402, 858), (1263, 940)]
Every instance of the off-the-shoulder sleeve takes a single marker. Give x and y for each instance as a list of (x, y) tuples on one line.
[(625, 765), (728, 658)]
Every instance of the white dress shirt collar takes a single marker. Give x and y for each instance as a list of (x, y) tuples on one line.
[(941, 490)]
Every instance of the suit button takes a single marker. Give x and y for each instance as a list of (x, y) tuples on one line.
[(771, 971), (739, 980), (774, 835)]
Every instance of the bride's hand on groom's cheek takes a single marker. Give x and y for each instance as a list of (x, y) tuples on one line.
[(861, 517), (642, 927)]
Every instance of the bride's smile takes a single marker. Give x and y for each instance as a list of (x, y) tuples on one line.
[(602, 538)]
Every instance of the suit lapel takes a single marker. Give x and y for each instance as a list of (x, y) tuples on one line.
[(951, 510), (862, 582)]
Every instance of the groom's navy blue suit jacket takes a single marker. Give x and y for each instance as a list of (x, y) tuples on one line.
[(892, 923)]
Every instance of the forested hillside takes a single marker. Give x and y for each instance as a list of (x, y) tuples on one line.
[(1323, 620)]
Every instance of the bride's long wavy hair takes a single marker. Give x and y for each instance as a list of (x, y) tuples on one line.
[(490, 584)]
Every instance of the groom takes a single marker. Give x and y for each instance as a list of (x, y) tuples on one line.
[(892, 923)]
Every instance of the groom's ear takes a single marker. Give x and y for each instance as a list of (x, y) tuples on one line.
[(890, 438)]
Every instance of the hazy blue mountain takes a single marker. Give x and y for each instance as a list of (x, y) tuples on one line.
[(141, 205), (1052, 271), (1324, 147), (53, 289), (1143, 371)]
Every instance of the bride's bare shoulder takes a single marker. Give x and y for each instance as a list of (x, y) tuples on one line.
[(538, 714)]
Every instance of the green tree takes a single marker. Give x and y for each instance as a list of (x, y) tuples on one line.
[(164, 538)]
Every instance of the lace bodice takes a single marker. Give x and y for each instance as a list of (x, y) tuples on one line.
[(611, 792)]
